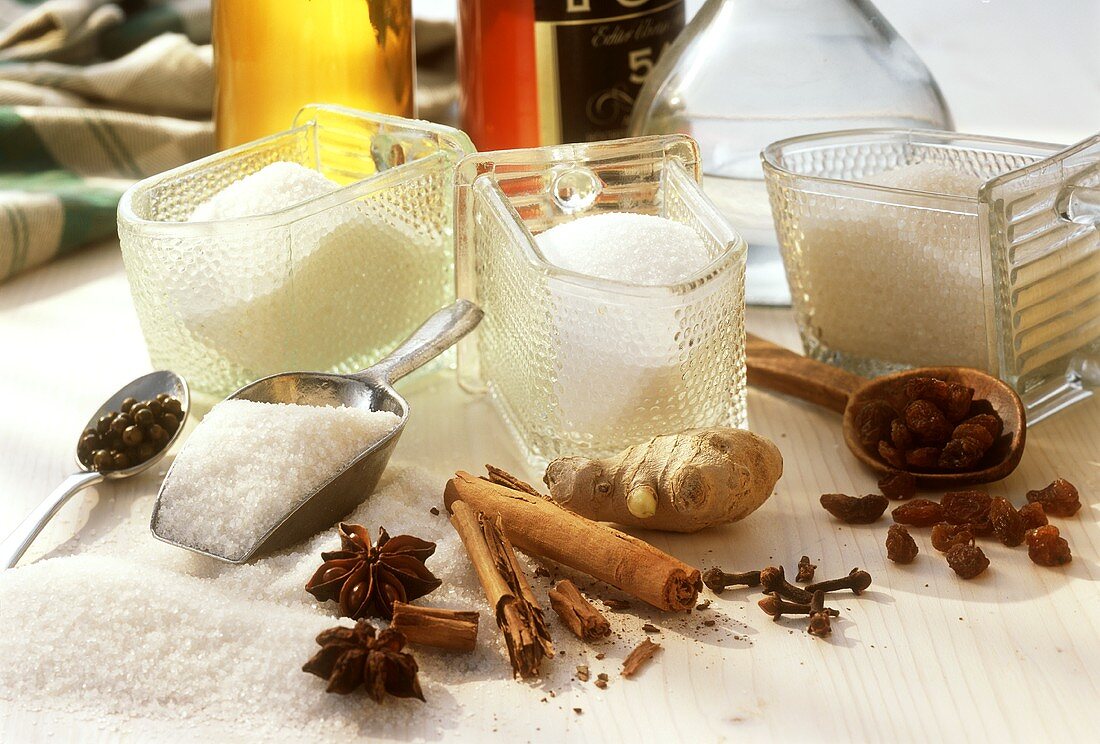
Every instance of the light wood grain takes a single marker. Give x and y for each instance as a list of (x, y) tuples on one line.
[(1014, 655)]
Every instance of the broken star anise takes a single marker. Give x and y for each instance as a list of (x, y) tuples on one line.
[(350, 657), (367, 579)]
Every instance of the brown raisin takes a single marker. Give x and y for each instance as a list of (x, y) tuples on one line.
[(891, 454), (1046, 547), (950, 397), (946, 536), (900, 435), (967, 560), (975, 431), (918, 513), (991, 422), (900, 545), (1007, 523), (898, 485), (966, 507), (862, 510), (961, 453), (1060, 498), (928, 422), (923, 458), (981, 528), (1033, 515), (873, 422)]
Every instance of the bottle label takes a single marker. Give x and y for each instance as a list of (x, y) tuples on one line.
[(592, 57)]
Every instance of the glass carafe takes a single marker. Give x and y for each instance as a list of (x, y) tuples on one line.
[(746, 73), (272, 58)]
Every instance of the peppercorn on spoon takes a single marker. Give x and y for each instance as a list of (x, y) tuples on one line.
[(371, 388), (773, 367), (146, 387)]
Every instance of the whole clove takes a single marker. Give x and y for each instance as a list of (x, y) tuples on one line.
[(805, 570), (773, 580), (857, 580), (718, 580), (819, 616), (777, 607)]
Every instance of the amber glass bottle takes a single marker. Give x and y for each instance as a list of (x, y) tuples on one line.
[(543, 72), (274, 56)]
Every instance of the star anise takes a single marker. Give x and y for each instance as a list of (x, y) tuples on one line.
[(350, 657), (367, 579)]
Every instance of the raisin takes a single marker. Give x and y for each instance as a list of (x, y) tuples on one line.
[(961, 453), (923, 458), (891, 454), (1008, 525), (1033, 515), (918, 513), (873, 422), (1060, 498), (928, 422), (900, 435), (975, 431), (946, 536), (1046, 547), (981, 528), (862, 510), (950, 397), (967, 560), (966, 507), (900, 545), (898, 485), (991, 422)]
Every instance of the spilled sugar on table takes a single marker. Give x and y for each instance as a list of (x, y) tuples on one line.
[(922, 655)]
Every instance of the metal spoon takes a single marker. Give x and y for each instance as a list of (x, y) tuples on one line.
[(773, 367), (143, 388), (371, 388)]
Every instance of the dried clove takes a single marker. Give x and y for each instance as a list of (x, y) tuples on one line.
[(805, 570), (819, 616), (773, 580), (777, 607), (718, 580), (857, 580)]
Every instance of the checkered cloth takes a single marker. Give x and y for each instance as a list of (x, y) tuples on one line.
[(96, 94)]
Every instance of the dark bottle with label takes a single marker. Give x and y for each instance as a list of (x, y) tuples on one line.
[(544, 72)]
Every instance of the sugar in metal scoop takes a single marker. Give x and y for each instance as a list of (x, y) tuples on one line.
[(145, 388), (372, 389)]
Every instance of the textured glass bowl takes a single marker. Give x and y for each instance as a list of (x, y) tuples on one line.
[(886, 278), (332, 283), (580, 365)]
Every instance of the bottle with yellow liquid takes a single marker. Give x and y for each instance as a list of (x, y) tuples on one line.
[(272, 57)]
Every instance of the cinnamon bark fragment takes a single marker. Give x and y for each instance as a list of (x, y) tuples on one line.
[(544, 529), (639, 657), (577, 613), (506, 479), (454, 630), (517, 611)]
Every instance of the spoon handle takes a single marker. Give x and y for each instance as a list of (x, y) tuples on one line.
[(15, 544), (775, 368), (438, 334)]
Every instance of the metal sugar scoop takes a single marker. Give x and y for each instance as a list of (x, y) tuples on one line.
[(371, 388)]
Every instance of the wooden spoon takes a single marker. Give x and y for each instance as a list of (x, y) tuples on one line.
[(773, 367)]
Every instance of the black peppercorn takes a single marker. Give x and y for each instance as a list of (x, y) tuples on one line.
[(170, 422), (127, 405), (88, 443), (120, 423), (102, 460), (132, 436), (174, 407), (143, 417), (158, 434), (155, 407), (120, 461), (146, 451), (104, 424)]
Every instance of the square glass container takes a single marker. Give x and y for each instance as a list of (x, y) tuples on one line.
[(331, 283), (580, 365), (884, 277)]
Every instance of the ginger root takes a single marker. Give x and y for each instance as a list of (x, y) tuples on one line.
[(677, 482)]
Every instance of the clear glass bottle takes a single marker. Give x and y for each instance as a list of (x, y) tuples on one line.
[(272, 57), (746, 73)]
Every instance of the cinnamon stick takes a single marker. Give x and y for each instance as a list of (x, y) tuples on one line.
[(455, 630), (542, 528), (504, 478), (577, 613), (638, 658), (517, 611)]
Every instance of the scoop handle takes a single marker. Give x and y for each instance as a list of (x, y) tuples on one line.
[(15, 544), (775, 368), (439, 333)]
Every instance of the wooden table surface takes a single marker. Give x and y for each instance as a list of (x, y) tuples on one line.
[(1012, 655)]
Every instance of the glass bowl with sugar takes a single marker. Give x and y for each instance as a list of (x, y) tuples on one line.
[(912, 248)]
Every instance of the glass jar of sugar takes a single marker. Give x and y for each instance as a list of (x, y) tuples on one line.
[(613, 294), (318, 248)]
